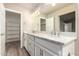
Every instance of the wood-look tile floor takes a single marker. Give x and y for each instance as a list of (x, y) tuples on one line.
[(13, 49)]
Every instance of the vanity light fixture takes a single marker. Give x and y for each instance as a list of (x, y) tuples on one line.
[(37, 12)]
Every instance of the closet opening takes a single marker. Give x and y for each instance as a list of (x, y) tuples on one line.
[(13, 30)]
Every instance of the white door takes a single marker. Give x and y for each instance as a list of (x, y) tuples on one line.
[(2, 30)]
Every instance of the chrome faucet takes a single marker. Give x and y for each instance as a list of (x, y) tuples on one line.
[(55, 33), (58, 33)]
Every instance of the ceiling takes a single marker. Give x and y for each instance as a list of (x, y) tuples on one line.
[(44, 9), (30, 6)]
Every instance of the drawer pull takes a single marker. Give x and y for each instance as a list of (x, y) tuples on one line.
[(41, 52)]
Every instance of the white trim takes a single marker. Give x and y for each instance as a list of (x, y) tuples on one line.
[(7, 9), (21, 31)]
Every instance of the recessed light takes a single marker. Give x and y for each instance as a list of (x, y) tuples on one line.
[(53, 4)]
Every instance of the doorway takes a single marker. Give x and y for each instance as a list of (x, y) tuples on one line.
[(13, 31)]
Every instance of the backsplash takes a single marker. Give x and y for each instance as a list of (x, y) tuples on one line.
[(73, 34)]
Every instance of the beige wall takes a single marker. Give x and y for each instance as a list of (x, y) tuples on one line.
[(56, 14), (77, 26), (27, 24)]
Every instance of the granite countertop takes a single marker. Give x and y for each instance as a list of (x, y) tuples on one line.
[(60, 39)]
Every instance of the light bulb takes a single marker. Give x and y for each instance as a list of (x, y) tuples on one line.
[(53, 4)]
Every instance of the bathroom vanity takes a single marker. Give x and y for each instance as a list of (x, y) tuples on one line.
[(55, 35), (38, 44)]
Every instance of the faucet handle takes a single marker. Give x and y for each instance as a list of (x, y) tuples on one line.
[(52, 33)]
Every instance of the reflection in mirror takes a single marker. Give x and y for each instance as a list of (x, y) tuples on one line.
[(42, 24), (67, 22)]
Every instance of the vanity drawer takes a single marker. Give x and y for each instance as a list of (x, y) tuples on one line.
[(51, 46)]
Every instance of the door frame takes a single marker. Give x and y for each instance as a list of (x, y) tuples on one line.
[(21, 26)]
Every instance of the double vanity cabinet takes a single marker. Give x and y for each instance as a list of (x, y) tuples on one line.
[(41, 45)]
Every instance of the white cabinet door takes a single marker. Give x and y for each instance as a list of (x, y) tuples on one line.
[(49, 53), (30, 45), (37, 51), (32, 49), (25, 41), (26, 38)]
